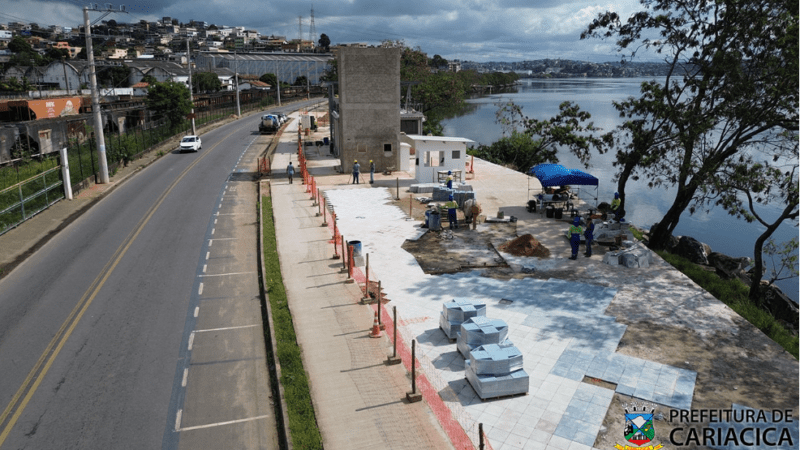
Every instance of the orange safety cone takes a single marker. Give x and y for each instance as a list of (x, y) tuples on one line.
[(376, 329)]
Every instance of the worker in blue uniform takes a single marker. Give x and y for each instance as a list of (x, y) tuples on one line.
[(356, 169), (452, 206), (575, 236), (371, 172), (589, 235), (449, 179)]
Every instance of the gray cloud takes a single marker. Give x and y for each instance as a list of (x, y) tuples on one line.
[(476, 30)]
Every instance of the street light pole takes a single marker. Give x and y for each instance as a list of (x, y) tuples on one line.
[(191, 98), (236, 84), (98, 121)]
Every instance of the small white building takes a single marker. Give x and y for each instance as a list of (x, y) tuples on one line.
[(436, 154)]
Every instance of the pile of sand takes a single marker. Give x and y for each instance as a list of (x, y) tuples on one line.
[(525, 245)]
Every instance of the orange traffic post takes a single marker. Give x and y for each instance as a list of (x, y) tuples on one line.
[(344, 256), (349, 265)]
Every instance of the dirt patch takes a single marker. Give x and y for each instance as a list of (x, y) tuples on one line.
[(525, 245), (741, 368), (450, 251)]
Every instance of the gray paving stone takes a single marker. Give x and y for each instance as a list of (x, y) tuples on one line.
[(585, 438), (624, 389)]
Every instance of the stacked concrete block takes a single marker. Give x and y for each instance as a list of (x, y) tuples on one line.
[(480, 330), (423, 188), (636, 256), (495, 370), (441, 194), (462, 196), (456, 312), (463, 187)]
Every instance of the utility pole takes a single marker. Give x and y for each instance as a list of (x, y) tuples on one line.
[(278, 81), (191, 98), (236, 84), (98, 120)]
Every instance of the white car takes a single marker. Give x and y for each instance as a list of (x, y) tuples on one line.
[(191, 144)]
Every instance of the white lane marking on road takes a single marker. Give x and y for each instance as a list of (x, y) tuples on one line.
[(227, 328), (208, 254), (215, 221), (232, 214), (230, 422), (210, 242), (191, 341), (200, 290), (213, 230), (185, 377), (205, 266), (178, 420), (226, 274), (196, 310)]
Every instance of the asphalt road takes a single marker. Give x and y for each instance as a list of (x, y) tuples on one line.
[(97, 327)]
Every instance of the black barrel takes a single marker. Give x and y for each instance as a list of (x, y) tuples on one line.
[(559, 213), (548, 212)]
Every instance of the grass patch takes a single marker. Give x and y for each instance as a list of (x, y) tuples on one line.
[(302, 421), (734, 293)]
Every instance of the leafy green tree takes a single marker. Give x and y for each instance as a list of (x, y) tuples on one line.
[(437, 62), (270, 79), (113, 76), (206, 82), (149, 79), (170, 101), (533, 141), (23, 53), (731, 89), (746, 184), (325, 42), (301, 81)]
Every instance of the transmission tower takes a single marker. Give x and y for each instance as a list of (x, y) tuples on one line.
[(312, 30), (300, 28)]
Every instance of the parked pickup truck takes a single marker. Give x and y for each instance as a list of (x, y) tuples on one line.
[(270, 123)]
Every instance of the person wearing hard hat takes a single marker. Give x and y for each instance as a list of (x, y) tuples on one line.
[(371, 172), (589, 235), (356, 169), (575, 236), (449, 179), (615, 207), (452, 206)]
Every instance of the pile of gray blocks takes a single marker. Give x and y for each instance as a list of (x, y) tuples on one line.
[(495, 370), (456, 312), (636, 256), (423, 188), (480, 330)]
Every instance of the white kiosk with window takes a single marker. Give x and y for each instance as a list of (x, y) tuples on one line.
[(436, 155)]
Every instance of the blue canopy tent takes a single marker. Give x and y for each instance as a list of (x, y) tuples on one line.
[(557, 175)]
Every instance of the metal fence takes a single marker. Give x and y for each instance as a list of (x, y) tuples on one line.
[(22, 201)]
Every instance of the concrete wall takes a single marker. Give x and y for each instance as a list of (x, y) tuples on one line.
[(369, 107)]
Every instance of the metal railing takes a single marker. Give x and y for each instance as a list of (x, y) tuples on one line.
[(24, 200)]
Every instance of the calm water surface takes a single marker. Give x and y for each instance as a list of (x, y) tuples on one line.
[(540, 99)]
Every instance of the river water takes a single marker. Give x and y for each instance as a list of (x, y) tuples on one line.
[(540, 99)]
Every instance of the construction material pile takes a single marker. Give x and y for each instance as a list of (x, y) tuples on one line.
[(525, 245)]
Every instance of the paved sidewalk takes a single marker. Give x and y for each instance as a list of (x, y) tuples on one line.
[(359, 401)]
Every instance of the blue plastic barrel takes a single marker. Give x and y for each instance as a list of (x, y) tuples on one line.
[(356, 247), (326, 141)]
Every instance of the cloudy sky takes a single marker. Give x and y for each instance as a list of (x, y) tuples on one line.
[(476, 30)]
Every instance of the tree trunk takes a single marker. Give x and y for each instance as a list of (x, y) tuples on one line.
[(758, 269), (660, 234)]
